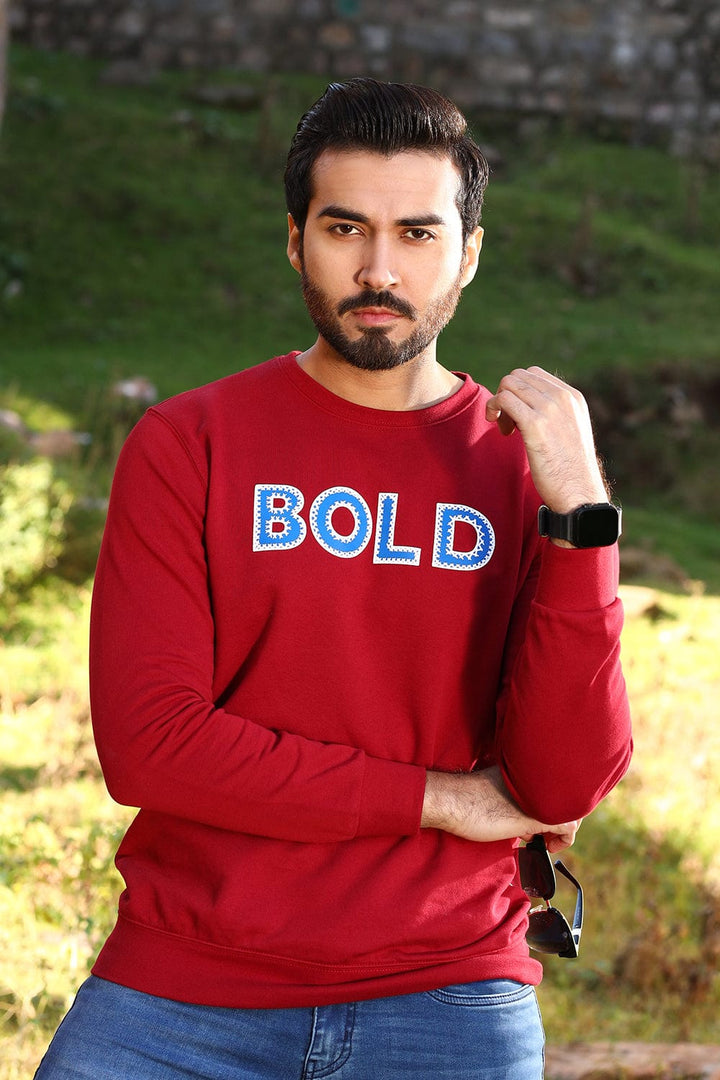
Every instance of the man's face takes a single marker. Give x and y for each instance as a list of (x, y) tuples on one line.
[(382, 259)]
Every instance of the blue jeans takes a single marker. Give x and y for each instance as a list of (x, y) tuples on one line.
[(474, 1031)]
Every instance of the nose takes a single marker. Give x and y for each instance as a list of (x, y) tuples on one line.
[(377, 271)]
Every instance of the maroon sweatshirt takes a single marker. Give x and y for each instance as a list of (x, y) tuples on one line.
[(302, 604)]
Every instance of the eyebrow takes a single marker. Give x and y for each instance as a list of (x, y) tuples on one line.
[(417, 221)]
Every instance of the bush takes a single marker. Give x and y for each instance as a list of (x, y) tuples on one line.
[(33, 507)]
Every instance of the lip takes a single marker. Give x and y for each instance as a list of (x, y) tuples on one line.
[(374, 316)]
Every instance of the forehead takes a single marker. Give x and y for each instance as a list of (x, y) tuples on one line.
[(400, 185)]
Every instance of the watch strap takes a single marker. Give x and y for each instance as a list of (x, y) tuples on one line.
[(590, 525)]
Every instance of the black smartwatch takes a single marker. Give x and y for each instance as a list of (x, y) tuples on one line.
[(593, 525)]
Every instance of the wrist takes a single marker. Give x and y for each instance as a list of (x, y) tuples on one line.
[(586, 526), (436, 810)]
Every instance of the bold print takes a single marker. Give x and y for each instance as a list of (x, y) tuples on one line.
[(279, 526)]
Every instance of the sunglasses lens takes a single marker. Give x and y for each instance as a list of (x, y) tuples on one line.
[(548, 932), (537, 876)]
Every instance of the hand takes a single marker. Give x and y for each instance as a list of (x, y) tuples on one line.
[(554, 423), (477, 806), (555, 842)]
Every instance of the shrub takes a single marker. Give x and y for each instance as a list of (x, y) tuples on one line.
[(33, 507)]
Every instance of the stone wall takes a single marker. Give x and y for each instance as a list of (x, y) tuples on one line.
[(646, 66)]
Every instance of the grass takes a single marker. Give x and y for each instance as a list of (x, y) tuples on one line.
[(649, 854), (148, 234), (142, 233), (648, 858)]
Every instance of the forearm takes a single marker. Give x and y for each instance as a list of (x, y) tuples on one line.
[(478, 807), (166, 747), (171, 738), (563, 720)]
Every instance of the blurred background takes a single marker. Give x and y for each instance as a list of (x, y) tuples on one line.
[(142, 252)]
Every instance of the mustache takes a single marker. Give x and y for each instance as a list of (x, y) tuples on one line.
[(384, 299)]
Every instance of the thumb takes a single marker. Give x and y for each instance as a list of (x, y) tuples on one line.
[(495, 415)]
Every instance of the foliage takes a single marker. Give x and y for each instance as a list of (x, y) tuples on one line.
[(33, 507), (59, 830), (657, 429)]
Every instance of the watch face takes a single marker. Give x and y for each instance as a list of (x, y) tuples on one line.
[(598, 526)]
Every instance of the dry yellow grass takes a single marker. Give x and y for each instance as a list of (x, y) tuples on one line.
[(649, 853)]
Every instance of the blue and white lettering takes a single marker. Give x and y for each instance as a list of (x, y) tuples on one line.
[(277, 525), (321, 523), (444, 554), (385, 549)]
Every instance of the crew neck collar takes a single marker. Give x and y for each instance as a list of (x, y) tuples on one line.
[(364, 414)]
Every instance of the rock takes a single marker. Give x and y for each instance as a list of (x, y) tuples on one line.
[(11, 421), (633, 1061), (639, 601), (54, 444), (637, 561), (58, 444), (137, 388)]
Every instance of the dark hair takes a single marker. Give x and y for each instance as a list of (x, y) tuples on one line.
[(364, 114)]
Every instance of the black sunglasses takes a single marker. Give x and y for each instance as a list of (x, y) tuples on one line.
[(548, 929)]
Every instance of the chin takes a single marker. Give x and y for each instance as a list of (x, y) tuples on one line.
[(375, 352)]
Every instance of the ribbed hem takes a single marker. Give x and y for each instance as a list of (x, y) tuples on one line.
[(169, 966)]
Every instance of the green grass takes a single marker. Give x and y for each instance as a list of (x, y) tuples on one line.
[(149, 244), (142, 233), (146, 244)]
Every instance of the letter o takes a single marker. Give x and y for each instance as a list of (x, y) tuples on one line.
[(321, 523)]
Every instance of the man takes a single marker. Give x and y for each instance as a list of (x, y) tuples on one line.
[(337, 668)]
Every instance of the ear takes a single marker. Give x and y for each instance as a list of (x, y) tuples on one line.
[(472, 254), (294, 246)]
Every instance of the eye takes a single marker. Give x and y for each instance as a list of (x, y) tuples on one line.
[(344, 228), (419, 234)]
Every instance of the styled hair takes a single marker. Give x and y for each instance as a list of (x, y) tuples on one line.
[(387, 118)]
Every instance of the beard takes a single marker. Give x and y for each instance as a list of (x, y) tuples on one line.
[(373, 350)]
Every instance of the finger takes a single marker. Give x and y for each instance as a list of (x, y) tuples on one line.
[(563, 838), (495, 415), (548, 376), (521, 393), (517, 397), (555, 388), (558, 842), (535, 387)]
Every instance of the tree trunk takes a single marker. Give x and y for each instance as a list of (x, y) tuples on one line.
[(3, 54)]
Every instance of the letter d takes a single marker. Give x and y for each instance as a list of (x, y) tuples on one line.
[(444, 554)]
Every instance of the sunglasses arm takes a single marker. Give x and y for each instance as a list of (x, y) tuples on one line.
[(578, 916)]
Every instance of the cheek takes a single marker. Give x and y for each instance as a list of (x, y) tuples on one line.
[(326, 268), (442, 277)]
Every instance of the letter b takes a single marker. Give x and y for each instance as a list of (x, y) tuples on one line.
[(277, 524)]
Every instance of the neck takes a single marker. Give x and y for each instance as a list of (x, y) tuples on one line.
[(418, 384)]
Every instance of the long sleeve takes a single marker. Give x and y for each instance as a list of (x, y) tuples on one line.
[(163, 742), (564, 735)]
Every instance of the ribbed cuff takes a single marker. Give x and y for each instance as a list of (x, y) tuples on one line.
[(578, 579), (392, 798)]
